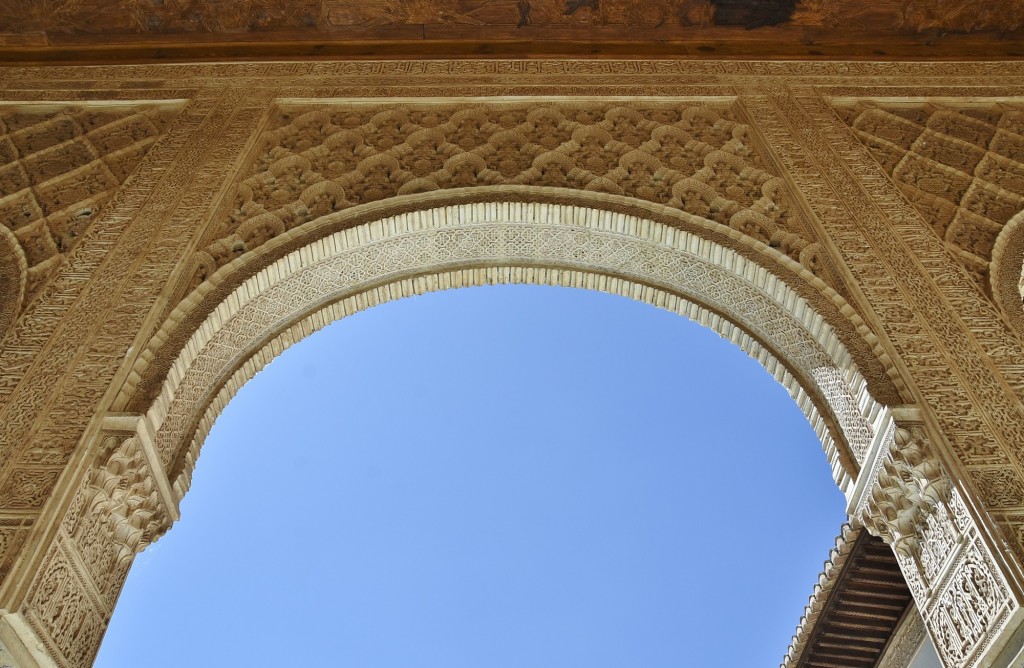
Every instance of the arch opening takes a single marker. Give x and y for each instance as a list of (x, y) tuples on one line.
[(689, 457)]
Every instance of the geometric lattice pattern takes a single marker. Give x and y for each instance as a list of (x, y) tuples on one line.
[(963, 168), (58, 167), (697, 157)]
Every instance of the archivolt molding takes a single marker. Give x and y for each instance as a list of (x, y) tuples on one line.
[(1008, 272), (13, 276), (514, 242), (150, 369)]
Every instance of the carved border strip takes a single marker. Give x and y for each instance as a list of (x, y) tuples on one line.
[(572, 71), (904, 644), (78, 96)]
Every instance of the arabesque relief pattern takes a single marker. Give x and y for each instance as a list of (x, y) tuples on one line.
[(697, 157), (73, 348), (918, 286), (60, 356), (904, 644), (962, 167), (58, 167)]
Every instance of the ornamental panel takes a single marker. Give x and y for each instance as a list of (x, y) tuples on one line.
[(698, 157), (58, 168), (960, 165)]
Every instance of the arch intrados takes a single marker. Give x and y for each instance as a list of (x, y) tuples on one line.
[(509, 242), (153, 363)]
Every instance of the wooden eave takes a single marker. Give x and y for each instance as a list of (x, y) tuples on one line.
[(856, 607)]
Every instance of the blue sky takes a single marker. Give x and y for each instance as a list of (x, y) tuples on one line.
[(505, 476)]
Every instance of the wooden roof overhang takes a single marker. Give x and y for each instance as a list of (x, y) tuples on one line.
[(104, 31), (855, 609)]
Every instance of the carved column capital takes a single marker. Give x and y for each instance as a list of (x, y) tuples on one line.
[(907, 485), (115, 513), (906, 497), (121, 490)]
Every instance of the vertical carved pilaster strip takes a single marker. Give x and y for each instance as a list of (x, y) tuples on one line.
[(116, 512), (941, 340), (958, 355), (909, 500)]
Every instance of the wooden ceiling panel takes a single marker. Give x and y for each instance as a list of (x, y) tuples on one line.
[(862, 600), (68, 30)]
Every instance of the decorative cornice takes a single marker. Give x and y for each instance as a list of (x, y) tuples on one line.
[(861, 585)]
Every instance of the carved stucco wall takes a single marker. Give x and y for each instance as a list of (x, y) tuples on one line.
[(58, 167), (121, 305)]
